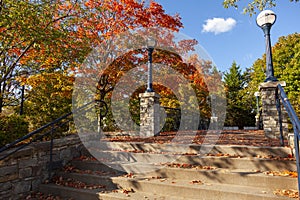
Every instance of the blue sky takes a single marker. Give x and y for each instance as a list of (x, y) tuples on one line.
[(239, 38)]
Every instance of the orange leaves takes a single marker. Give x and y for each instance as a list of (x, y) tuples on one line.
[(197, 182), (171, 22), (130, 175), (287, 193), (88, 4), (188, 166), (282, 173), (77, 27), (127, 191)]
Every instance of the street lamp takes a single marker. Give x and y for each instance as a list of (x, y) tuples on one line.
[(256, 94), (151, 43), (24, 74), (265, 20)]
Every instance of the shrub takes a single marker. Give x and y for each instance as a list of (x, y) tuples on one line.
[(12, 127)]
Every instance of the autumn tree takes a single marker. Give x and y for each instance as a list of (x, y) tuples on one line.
[(195, 71), (50, 97), (29, 42), (56, 36), (50, 40), (250, 7)]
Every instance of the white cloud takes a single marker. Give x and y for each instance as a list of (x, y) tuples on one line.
[(218, 25)]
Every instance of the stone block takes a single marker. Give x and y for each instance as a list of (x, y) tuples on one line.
[(268, 129), (25, 172), (23, 163), (8, 170), (22, 187), (37, 170), (9, 177), (267, 85), (7, 162), (272, 123), (74, 151), (35, 184), (23, 154), (6, 195), (65, 154), (5, 186)]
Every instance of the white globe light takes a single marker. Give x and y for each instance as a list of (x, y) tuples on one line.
[(266, 17), (151, 42)]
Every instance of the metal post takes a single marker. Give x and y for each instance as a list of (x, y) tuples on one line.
[(51, 153), (149, 84), (257, 104), (278, 106), (22, 100), (257, 114), (269, 63), (296, 140), (256, 94)]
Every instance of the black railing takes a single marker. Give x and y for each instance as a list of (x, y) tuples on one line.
[(281, 95), (48, 130)]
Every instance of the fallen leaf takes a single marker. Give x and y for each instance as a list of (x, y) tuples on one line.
[(196, 182)]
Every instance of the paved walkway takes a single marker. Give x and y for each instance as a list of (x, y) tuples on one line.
[(238, 137)]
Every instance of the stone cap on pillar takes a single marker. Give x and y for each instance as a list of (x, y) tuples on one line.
[(149, 94), (271, 84)]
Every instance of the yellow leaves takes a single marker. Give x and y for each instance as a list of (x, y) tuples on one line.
[(287, 193), (282, 173), (56, 84)]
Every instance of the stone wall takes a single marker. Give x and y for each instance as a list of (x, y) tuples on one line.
[(23, 171), (269, 111)]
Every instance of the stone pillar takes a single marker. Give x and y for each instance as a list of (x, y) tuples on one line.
[(149, 114), (213, 123), (257, 121), (269, 110)]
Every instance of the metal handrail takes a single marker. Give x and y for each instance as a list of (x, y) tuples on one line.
[(295, 122), (54, 125)]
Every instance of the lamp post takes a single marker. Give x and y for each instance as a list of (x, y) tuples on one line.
[(265, 20), (256, 94), (22, 100), (23, 74), (151, 43), (213, 118)]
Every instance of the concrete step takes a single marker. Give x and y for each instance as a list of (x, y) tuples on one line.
[(137, 196), (222, 176), (203, 191), (95, 165), (172, 186), (233, 172), (197, 149), (129, 162), (90, 179), (69, 192)]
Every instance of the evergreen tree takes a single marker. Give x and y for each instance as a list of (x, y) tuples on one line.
[(239, 107)]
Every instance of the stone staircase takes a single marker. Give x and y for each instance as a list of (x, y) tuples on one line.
[(177, 171)]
